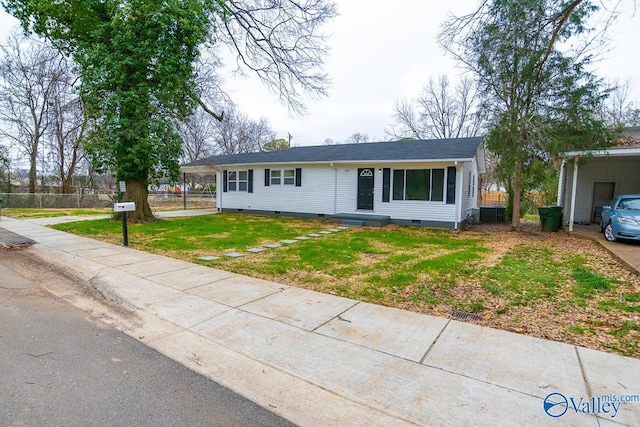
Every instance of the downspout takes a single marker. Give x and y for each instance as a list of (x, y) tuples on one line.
[(335, 189), (561, 185), (460, 180), (574, 188)]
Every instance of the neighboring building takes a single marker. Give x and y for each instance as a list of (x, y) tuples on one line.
[(590, 178), (429, 183)]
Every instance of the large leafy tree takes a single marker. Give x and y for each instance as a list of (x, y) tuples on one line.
[(540, 97), (136, 60)]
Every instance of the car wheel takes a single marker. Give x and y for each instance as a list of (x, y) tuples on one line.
[(608, 233)]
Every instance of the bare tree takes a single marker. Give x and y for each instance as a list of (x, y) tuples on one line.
[(237, 133), (357, 138), (29, 73), (67, 125), (281, 42), (617, 110), (440, 112), (198, 134)]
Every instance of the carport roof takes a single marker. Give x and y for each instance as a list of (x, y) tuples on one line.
[(612, 152)]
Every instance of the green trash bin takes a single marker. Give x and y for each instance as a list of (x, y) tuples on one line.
[(550, 217)]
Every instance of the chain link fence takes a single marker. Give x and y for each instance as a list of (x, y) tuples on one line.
[(88, 201)]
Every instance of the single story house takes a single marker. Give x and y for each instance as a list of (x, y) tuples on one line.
[(591, 178), (425, 182)]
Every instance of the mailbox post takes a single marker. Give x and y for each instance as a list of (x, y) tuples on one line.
[(124, 208)]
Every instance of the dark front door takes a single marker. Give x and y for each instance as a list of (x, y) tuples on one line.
[(365, 189)]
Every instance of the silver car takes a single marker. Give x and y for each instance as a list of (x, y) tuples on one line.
[(621, 218)]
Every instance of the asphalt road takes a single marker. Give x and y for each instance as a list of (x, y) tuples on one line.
[(60, 367)]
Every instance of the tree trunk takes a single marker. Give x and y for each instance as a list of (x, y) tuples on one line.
[(517, 189), (33, 176), (137, 192)]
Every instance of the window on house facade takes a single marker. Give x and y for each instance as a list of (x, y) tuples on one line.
[(289, 177), (283, 177), (276, 175), (237, 180), (418, 184)]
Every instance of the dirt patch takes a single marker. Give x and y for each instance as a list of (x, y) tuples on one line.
[(97, 298), (14, 246)]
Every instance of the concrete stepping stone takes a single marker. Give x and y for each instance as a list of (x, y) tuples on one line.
[(314, 235), (234, 255), (325, 232), (256, 250), (342, 228), (272, 245), (335, 230), (209, 258), (288, 242), (301, 238)]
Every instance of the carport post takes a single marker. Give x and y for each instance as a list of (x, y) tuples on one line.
[(574, 187)]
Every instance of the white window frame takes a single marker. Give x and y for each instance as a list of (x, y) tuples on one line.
[(236, 183), (282, 177)]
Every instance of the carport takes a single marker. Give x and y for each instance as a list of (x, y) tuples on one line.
[(589, 179)]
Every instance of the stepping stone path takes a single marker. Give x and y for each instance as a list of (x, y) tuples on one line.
[(276, 245), (234, 255)]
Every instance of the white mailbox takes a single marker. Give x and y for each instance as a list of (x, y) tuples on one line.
[(124, 207)]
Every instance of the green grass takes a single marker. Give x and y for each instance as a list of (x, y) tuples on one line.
[(525, 274), (588, 282)]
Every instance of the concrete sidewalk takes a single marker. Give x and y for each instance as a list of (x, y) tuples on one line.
[(318, 359)]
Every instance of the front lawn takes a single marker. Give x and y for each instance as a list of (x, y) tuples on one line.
[(548, 285)]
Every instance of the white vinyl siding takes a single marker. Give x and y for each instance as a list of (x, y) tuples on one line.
[(322, 182), (469, 185), (314, 196)]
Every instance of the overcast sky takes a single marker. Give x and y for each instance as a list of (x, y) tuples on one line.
[(382, 51)]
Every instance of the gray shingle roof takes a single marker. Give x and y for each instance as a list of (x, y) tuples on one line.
[(434, 149)]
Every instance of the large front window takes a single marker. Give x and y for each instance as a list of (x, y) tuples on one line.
[(418, 184), (237, 180)]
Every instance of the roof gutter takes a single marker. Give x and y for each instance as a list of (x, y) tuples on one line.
[(349, 162)]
